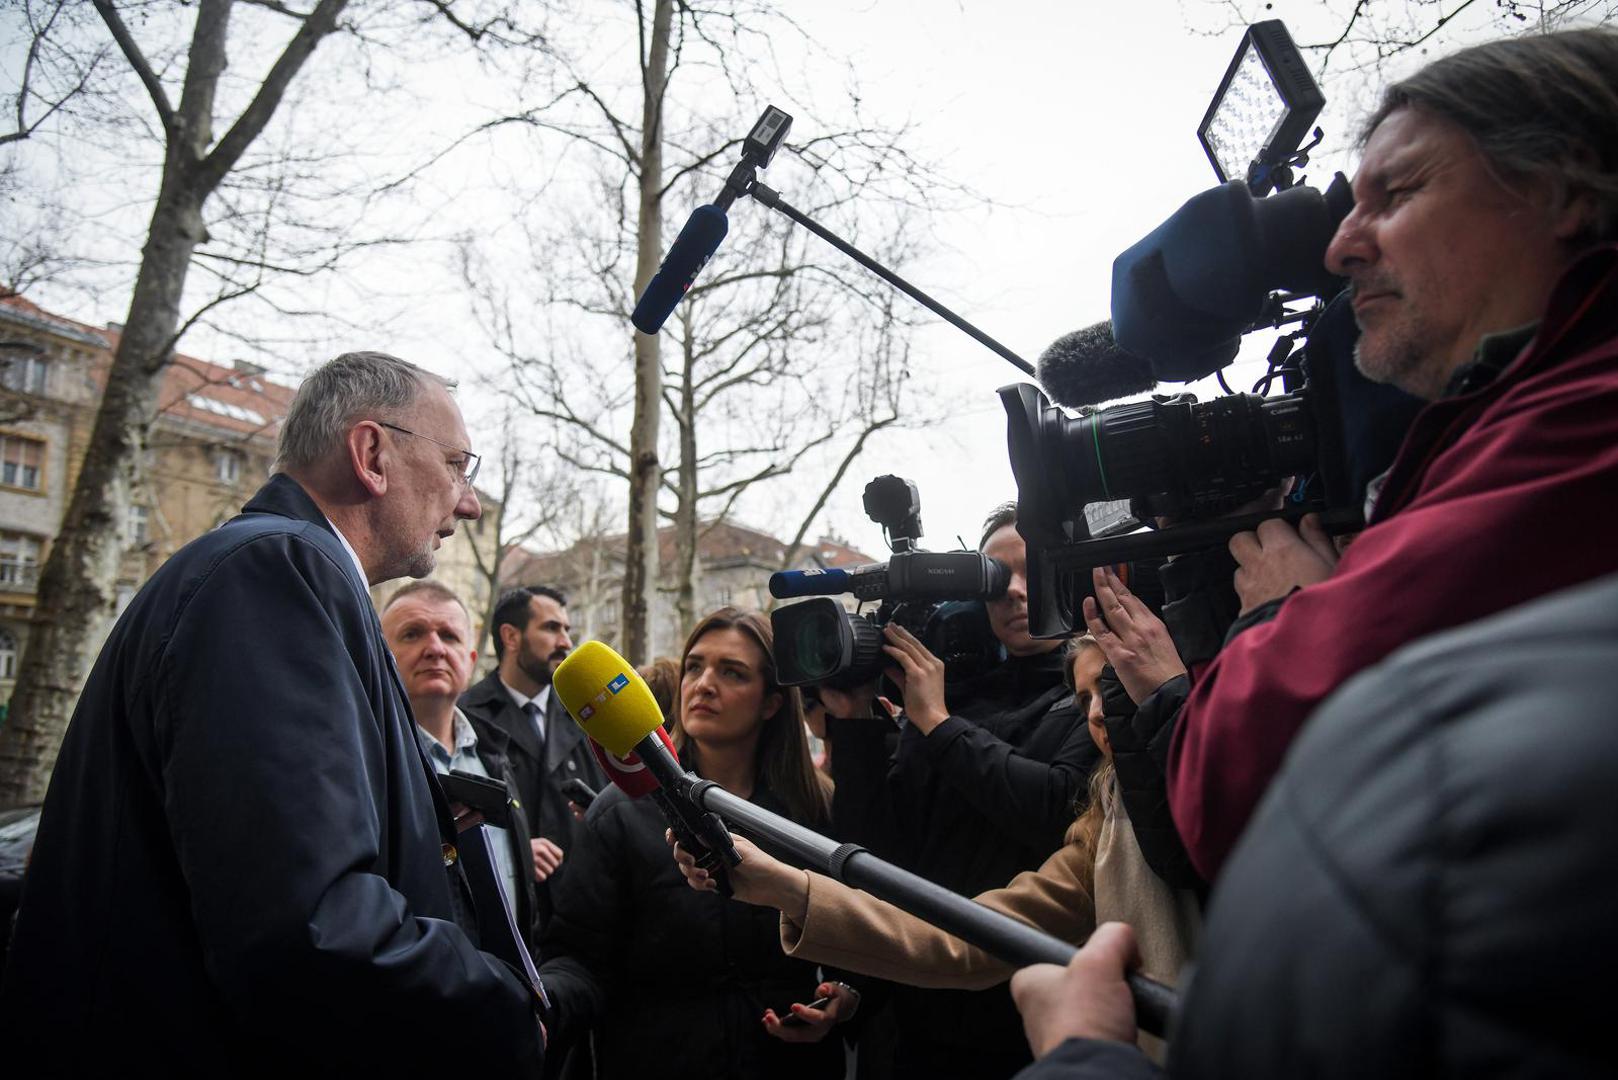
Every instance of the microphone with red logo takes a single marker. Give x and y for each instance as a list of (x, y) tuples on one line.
[(612, 703)]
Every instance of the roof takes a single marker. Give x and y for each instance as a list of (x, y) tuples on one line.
[(722, 544), (239, 402)]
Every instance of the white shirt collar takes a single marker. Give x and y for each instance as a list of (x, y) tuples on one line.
[(542, 699), (352, 554)]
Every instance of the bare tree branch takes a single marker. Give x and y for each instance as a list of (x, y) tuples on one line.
[(137, 62)]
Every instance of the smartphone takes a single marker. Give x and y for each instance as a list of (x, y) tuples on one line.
[(792, 1019), (487, 797), (579, 792)]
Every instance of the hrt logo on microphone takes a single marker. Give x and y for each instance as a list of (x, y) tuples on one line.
[(618, 684)]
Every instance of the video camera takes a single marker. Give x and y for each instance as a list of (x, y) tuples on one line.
[(935, 595), (1226, 264)]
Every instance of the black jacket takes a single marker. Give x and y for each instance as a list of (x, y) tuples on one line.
[(239, 868), (539, 775), (1428, 887), (675, 981), (988, 794), (491, 751)]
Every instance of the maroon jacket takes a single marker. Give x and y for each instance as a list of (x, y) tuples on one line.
[(1498, 496)]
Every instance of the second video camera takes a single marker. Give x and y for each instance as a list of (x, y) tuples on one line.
[(935, 595)]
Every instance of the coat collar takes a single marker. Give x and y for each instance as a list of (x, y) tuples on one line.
[(285, 497)]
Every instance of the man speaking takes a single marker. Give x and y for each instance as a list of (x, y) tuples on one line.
[(243, 865)]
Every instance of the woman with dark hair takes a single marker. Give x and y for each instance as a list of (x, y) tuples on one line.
[(1098, 874), (678, 983)]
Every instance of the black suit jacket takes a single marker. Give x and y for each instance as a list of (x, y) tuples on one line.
[(539, 772), (240, 865)]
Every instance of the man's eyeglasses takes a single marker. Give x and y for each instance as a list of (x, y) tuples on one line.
[(469, 461)]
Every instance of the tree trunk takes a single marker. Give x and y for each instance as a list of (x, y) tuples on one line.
[(686, 523), (78, 584), (645, 473)]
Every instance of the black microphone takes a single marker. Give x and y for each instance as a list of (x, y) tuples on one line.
[(1087, 367), (697, 241)]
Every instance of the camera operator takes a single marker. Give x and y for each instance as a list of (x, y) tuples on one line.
[(978, 784), (1484, 273)]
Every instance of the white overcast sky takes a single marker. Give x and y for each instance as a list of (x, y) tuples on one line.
[(1078, 119)]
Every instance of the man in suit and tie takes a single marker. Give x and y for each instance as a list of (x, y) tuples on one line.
[(514, 707)]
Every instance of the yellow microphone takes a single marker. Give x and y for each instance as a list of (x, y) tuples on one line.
[(612, 703), (606, 697)]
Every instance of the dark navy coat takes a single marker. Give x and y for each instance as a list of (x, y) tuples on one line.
[(239, 867)]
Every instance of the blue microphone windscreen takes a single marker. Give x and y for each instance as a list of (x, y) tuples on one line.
[(697, 241), (788, 584)]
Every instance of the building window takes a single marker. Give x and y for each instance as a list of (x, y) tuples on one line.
[(609, 615), (19, 560), (24, 373), (22, 462), (8, 654), (135, 526), (227, 465), (727, 596)]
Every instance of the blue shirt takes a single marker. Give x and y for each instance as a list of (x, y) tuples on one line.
[(464, 758)]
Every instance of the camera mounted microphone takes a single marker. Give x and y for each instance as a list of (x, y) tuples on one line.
[(1186, 293), (1086, 367)]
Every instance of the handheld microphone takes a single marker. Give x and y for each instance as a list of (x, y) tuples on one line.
[(1086, 367), (867, 582), (612, 703), (628, 772), (692, 248)]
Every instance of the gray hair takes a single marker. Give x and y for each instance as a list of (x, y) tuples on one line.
[(339, 392), (1540, 108)]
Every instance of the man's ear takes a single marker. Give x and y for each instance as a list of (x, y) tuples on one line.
[(367, 456), (1575, 217), (510, 639)]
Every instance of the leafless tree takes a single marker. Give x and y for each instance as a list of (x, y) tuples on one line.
[(202, 119), (762, 367), (532, 499), (1356, 38)]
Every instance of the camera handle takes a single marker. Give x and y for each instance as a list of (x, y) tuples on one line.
[(1177, 539)]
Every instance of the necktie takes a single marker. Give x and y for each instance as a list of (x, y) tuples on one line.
[(537, 718)]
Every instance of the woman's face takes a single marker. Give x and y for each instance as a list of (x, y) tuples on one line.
[(722, 690), (1087, 665)]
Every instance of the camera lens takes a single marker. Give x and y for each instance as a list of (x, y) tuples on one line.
[(815, 647)]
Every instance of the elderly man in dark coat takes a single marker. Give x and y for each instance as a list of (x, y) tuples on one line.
[(244, 865)]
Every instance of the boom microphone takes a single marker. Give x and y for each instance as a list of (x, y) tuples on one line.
[(1087, 367), (692, 248)]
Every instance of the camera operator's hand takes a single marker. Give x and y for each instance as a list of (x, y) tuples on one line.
[(1277, 558), (853, 704), (1135, 641), (920, 675)]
